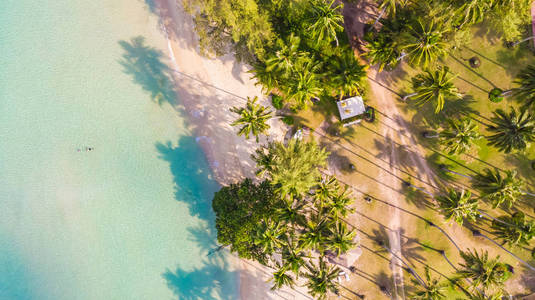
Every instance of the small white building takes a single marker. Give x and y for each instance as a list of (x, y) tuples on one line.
[(351, 108)]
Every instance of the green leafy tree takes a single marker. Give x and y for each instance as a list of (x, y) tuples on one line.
[(292, 168), (321, 279), (458, 206), (326, 189), (511, 131), (389, 6), (498, 188), (459, 135), (315, 233), (293, 258), (338, 204), (238, 25), (326, 20), (425, 43), (435, 87), (526, 90), (291, 211), (239, 210), (514, 229), (267, 79), (346, 74), (253, 118), (285, 59), (433, 289), (472, 11), (341, 239), (506, 17), (484, 272)]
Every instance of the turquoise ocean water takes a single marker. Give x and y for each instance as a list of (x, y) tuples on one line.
[(130, 219)]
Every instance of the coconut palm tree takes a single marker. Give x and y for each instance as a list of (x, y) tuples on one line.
[(292, 168), (270, 236), (388, 7), (281, 278), (511, 131), (459, 135), (326, 189), (316, 233), (268, 80), (489, 274), (526, 91), (338, 204), (321, 279), (514, 229), (433, 289), (341, 239), (472, 11), (286, 58), (253, 118), (434, 86), (498, 188), (458, 206), (293, 259), (291, 211), (326, 20), (347, 74), (302, 88), (425, 43), (383, 51)]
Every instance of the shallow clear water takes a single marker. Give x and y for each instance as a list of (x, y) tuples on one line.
[(130, 219)]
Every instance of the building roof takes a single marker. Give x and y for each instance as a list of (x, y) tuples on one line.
[(351, 107)]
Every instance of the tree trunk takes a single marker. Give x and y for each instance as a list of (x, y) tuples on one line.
[(522, 40), (408, 96), (379, 17)]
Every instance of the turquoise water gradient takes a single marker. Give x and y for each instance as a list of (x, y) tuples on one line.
[(130, 219)]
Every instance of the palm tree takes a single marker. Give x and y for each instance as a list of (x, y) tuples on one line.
[(459, 135), (341, 239), (477, 295), (293, 259), (270, 236), (511, 131), (383, 51), (292, 168), (472, 11), (303, 87), (514, 229), (425, 43), (281, 278), (285, 59), (326, 20), (347, 74), (253, 118), (388, 7), (321, 279), (433, 289), (315, 234), (326, 189), (267, 79), (338, 204), (458, 206), (434, 86), (526, 91), (291, 212), (499, 189), (490, 274)]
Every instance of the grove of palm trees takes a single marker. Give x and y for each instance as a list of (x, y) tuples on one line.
[(438, 191)]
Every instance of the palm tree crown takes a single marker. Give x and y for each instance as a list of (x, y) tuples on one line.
[(514, 229), (321, 279), (425, 43), (498, 188), (458, 206), (347, 74), (433, 290), (253, 118), (341, 239), (526, 91), (435, 86), (326, 20), (511, 131), (303, 87), (459, 136), (484, 272)]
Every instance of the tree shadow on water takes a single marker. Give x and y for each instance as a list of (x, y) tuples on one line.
[(194, 184), (148, 68)]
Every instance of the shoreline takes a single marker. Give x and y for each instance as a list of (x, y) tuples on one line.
[(207, 88)]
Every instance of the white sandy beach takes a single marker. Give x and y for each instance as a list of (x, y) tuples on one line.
[(207, 89)]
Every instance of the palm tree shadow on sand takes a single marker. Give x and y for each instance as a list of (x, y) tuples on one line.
[(194, 186)]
